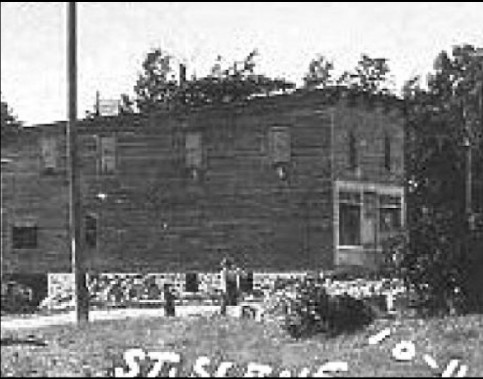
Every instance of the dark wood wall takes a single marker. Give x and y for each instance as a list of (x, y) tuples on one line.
[(31, 195), (157, 215), (370, 125), (156, 218)]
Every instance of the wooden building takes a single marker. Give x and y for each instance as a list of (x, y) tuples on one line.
[(292, 182)]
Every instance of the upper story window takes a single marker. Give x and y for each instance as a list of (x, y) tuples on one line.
[(194, 150), (49, 154), (387, 152), (353, 153), (279, 144), (107, 154), (24, 235)]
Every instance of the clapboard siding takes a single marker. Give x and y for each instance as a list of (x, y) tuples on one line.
[(29, 193), (240, 206), (156, 218), (370, 128)]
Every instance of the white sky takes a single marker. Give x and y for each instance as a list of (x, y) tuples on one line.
[(114, 38)]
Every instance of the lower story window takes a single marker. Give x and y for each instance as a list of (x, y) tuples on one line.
[(390, 216), (349, 220), (24, 237), (368, 219), (390, 219), (91, 231)]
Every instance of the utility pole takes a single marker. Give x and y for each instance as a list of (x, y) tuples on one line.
[(81, 297), (473, 282)]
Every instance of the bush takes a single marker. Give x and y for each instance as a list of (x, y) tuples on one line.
[(434, 271), (16, 298), (307, 309)]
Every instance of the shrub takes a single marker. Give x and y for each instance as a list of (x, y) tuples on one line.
[(305, 309), (16, 298), (434, 271)]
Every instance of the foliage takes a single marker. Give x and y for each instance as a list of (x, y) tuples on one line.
[(16, 298), (308, 309), (370, 76), (436, 257), (157, 88), (9, 122), (156, 84), (319, 73)]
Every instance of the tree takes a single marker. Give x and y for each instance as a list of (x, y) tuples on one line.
[(157, 88), (9, 122), (319, 73), (156, 84), (441, 257), (370, 76), (235, 83)]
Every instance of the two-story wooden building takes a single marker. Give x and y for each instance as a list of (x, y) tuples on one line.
[(305, 181)]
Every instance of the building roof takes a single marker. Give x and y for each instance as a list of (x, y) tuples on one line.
[(330, 97)]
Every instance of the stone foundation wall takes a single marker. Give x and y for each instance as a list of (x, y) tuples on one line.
[(120, 288)]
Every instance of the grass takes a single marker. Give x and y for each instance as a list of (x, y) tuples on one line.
[(94, 349)]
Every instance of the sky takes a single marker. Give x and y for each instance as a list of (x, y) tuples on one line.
[(113, 39)]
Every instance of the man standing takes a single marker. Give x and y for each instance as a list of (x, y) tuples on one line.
[(169, 306), (229, 283)]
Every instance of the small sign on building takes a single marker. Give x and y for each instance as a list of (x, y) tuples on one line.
[(108, 107)]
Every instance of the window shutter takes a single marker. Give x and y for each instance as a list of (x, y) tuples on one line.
[(280, 144), (49, 153), (194, 152), (108, 154)]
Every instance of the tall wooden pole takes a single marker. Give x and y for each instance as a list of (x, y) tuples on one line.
[(80, 286)]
